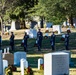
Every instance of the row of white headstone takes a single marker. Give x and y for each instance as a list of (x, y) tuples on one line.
[(17, 57), (6, 50), (56, 63), (33, 32)]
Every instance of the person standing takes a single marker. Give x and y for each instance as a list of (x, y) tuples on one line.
[(39, 39), (12, 41), (67, 41), (52, 41), (25, 38)]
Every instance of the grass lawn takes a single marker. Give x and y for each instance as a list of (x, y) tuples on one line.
[(33, 54)]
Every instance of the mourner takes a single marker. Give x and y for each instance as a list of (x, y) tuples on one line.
[(39, 39), (25, 41), (12, 41), (67, 41), (52, 41)]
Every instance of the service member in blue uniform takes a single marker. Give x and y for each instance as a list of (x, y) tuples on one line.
[(39, 39), (12, 41), (52, 41), (25, 41), (67, 41)]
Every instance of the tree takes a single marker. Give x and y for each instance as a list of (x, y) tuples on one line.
[(19, 8), (56, 10)]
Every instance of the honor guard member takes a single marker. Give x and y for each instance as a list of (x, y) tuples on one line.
[(67, 41), (52, 41), (25, 41), (12, 41), (39, 39)]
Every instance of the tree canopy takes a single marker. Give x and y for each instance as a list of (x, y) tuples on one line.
[(16, 8), (55, 10)]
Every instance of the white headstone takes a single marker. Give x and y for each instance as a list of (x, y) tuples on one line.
[(56, 63), (38, 24), (0, 50), (57, 28), (32, 33), (1, 64), (3, 55), (13, 25), (8, 50), (24, 64), (5, 64), (40, 61), (65, 51), (69, 55), (5, 51), (18, 56), (64, 23)]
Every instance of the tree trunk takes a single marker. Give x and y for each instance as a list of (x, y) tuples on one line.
[(2, 32), (13, 25), (71, 20), (42, 19), (24, 24)]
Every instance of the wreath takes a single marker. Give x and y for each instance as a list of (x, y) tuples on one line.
[(28, 71)]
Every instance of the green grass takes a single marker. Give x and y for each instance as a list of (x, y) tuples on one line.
[(33, 54)]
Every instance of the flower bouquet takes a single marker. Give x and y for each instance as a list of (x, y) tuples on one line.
[(28, 71), (47, 30), (68, 31), (41, 66), (56, 31), (8, 70), (22, 43), (35, 45), (63, 38)]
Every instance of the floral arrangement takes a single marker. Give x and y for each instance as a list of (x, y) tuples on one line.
[(10, 69), (62, 39), (45, 37), (41, 66), (46, 31), (68, 31), (56, 31), (28, 71)]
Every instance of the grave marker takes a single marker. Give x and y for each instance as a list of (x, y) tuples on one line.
[(56, 63), (5, 64), (18, 56), (8, 50), (57, 28), (49, 25), (5, 51), (1, 64), (40, 62), (24, 64), (32, 33), (9, 57)]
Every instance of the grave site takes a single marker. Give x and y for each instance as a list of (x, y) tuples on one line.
[(44, 62)]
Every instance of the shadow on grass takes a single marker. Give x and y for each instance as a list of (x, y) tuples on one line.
[(33, 61), (73, 63)]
